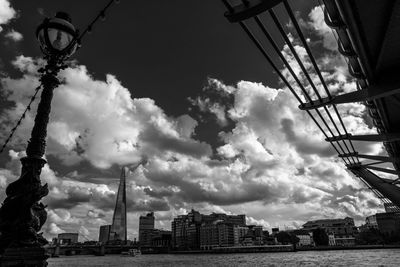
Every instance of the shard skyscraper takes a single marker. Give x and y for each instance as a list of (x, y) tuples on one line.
[(118, 227)]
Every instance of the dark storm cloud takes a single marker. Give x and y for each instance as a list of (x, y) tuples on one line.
[(301, 171), (260, 167), (213, 104), (163, 142), (160, 193), (96, 214), (373, 204), (345, 199), (302, 144), (105, 201), (218, 163), (244, 193), (75, 195), (300, 195), (60, 203), (150, 205), (193, 192), (326, 173)]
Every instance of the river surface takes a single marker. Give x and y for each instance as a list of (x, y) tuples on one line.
[(371, 257)]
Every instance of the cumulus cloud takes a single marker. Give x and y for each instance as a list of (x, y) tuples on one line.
[(81, 205), (262, 161), (258, 166), (251, 221), (99, 121), (317, 23), (272, 164), (218, 99), (6, 12), (271, 133), (14, 35)]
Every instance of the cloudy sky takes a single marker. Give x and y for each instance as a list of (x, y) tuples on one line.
[(173, 87)]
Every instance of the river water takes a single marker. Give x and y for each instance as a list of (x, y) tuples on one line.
[(371, 257)]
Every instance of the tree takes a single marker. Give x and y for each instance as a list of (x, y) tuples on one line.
[(283, 237), (294, 239), (286, 238), (370, 236), (320, 237)]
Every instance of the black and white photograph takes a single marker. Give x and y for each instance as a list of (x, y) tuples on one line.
[(199, 133)]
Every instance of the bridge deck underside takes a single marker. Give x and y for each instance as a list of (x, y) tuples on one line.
[(375, 29), (368, 34)]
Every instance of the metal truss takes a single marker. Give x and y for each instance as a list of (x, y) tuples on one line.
[(252, 12)]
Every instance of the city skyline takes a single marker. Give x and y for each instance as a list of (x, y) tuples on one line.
[(222, 233), (205, 120)]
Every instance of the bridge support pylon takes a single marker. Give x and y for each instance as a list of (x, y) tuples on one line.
[(387, 189)]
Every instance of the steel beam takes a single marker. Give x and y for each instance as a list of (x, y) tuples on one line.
[(372, 163), (389, 190), (390, 181), (249, 9), (383, 137), (391, 171), (371, 93), (368, 166), (371, 157)]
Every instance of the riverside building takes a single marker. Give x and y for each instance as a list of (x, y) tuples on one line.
[(67, 238), (146, 229), (104, 233), (343, 230), (387, 223), (186, 231), (239, 232), (217, 234), (305, 239), (198, 231)]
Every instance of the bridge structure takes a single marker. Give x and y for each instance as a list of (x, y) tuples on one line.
[(368, 37), (100, 249), (83, 249)]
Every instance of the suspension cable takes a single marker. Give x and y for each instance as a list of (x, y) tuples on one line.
[(315, 65), (101, 14), (276, 69), (295, 54), (277, 50), (14, 129), (262, 50)]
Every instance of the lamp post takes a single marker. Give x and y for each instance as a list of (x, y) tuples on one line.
[(22, 215)]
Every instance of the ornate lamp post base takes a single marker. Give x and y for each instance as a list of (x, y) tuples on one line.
[(22, 215)]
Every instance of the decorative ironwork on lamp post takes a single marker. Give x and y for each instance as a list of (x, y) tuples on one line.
[(22, 215)]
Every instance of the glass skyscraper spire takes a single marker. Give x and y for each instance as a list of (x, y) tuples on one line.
[(118, 227)]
